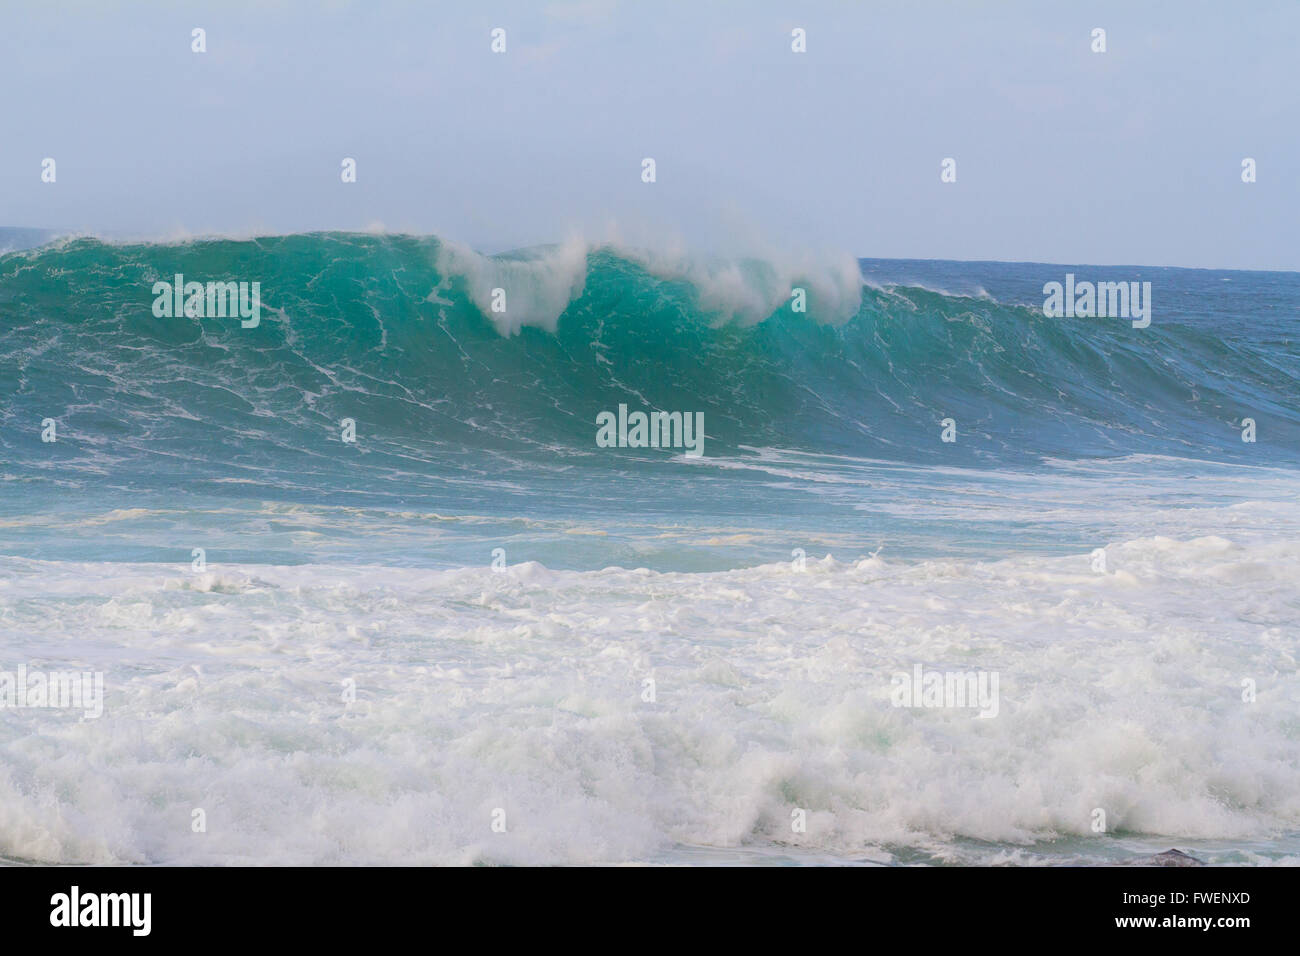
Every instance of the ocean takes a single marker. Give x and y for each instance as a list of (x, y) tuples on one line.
[(364, 587)]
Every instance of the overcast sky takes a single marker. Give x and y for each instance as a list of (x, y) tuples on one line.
[(1132, 156)]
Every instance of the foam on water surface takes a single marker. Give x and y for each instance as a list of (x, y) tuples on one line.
[(523, 690)]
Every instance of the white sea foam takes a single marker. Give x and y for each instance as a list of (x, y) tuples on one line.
[(749, 288), (523, 691), (537, 287)]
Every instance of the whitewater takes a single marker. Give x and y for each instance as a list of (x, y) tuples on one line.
[(473, 612)]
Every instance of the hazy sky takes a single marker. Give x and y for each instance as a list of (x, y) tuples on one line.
[(1132, 156)]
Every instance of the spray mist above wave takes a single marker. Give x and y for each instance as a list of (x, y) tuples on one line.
[(543, 282)]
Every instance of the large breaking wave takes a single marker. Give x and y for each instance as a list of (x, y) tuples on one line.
[(398, 333)]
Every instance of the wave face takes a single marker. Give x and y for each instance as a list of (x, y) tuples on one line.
[(397, 333)]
